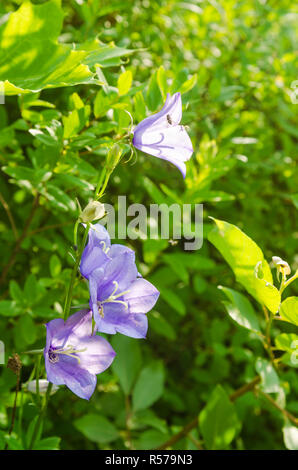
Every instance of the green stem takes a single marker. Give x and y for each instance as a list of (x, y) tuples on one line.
[(41, 416), (288, 282), (100, 181), (74, 273), (105, 183), (37, 379)]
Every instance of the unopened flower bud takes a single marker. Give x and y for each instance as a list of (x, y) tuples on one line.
[(93, 211), (43, 386), (281, 266), (113, 157)]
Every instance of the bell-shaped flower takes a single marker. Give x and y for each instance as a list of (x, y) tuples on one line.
[(119, 297), (162, 135), (74, 354)]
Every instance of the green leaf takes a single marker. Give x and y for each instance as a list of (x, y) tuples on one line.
[(15, 291), (151, 439), (244, 257), (9, 308), (96, 428), (176, 263), (139, 106), (161, 326), (31, 289), (127, 362), (287, 342), (162, 81), (55, 266), (289, 310), (28, 329), (270, 380), (189, 84), (49, 443), (241, 310), (218, 421), (32, 59), (173, 300), (154, 97), (124, 82), (149, 386)]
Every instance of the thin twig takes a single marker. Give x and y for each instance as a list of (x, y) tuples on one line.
[(192, 424), (9, 215), (20, 240), (286, 413)]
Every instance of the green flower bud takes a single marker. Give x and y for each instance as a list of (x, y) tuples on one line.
[(113, 157), (93, 211)]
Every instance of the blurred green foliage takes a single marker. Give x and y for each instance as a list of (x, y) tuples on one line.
[(71, 73)]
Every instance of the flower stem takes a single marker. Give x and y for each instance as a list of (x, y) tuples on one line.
[(99, 192), (37, 379), (41, 416), (288, 282), (74, 273)]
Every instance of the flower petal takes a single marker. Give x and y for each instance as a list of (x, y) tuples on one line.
[(171, 143), (142, 296), (118, 319)]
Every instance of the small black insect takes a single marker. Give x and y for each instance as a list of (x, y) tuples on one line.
[(169, 119)]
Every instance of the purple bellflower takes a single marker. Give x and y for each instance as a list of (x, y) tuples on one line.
[(119, 297), (74, 355), (162, 136)]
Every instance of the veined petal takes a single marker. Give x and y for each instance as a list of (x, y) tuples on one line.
[(170, 143), (121, 270), (98, 354), (142, 296), (118, 319)]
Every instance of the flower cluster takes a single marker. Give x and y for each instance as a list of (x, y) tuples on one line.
[(119, 301), (119, 296)]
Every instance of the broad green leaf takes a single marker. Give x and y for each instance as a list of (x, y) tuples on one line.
[(247, 261), (49, 443), (270, 380), (161, 326), (127, 362), (28, 329), (96, 428), (55, 266), (218, 421), (16, 292), (289, 310), (241, 310), (149, 386), (189, 84), (151, 439), (10, 308), (287, 342), (162, 81), (169, 296), (139, 106), (154, 97), (124, 82), (176, 263), (32, 59)]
